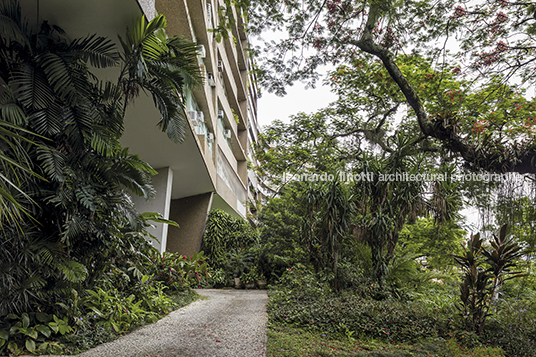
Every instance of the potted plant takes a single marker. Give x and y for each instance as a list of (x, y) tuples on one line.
[(237, 263), (261, 281), (218, 278), (249, 279)]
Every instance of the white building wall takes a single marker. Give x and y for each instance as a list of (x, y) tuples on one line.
[(160, 203)]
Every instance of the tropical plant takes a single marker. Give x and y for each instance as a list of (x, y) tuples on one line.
[(329, 211), (164, 67), (225, 234), (238, 262), (248, 277), (63, 123), (180, 272), (484, 271)]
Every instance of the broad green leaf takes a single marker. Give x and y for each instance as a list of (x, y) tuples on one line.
[(25, 320), (44, 330), (30, 345), (12, 346)]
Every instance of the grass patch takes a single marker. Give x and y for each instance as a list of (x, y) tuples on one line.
[(294, 342)]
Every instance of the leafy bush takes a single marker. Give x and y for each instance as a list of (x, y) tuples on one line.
[(225, 233), (513, 327), (388, 319), (180, 272), (122, 299), (300, 284), (218, 279), (32, 332), (304, 302)]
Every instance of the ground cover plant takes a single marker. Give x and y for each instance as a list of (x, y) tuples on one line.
[(295, 342), (303, 308)]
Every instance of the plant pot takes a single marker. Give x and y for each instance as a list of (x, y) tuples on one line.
[(261, 284), (250, 285), (238, 283)]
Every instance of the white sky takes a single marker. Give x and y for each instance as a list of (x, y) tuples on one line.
[(298, 99)]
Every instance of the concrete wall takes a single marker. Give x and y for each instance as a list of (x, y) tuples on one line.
[(160, 203), (191, 214)]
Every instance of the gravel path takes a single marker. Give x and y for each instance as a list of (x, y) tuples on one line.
[(230, 323)]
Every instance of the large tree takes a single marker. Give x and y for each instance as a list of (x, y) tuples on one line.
[(487, 44), (382, 186)]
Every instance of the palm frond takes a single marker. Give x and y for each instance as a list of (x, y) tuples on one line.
[(173, 120), (73, 228), (53, 163), (86, 195), (73, 272), (184, 56), (132, 173), (47, 122), (60, 76), (31, 87), (99, 51), (12, 27)]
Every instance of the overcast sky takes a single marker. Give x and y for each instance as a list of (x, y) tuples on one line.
[(297, 100)]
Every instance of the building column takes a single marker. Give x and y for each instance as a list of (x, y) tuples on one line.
[(163, 183), (191, 214)]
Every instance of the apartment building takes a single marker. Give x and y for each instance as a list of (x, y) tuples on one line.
[(209, 169)]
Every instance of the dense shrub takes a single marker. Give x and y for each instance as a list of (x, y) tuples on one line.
[(308, 305), (120, 300), (304, 299), (180, 272), (513, 327), (225, 233), (391, 320)]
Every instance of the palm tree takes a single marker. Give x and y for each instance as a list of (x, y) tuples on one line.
[(162, 66)]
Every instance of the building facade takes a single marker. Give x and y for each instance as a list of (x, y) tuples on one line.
[(210, 168)]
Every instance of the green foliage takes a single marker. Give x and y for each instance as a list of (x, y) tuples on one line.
[(163, 66), (249, 277), (484, 271), (34, 332), (280, 229), (218, 278), (71, 239), (377, 201), (82, 216), (101, 314), (512, 327), (231, 245), (432, 242), (287, 341), (389, 320), (223, 234), (238, 262), (299, 283), (180, 272)]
